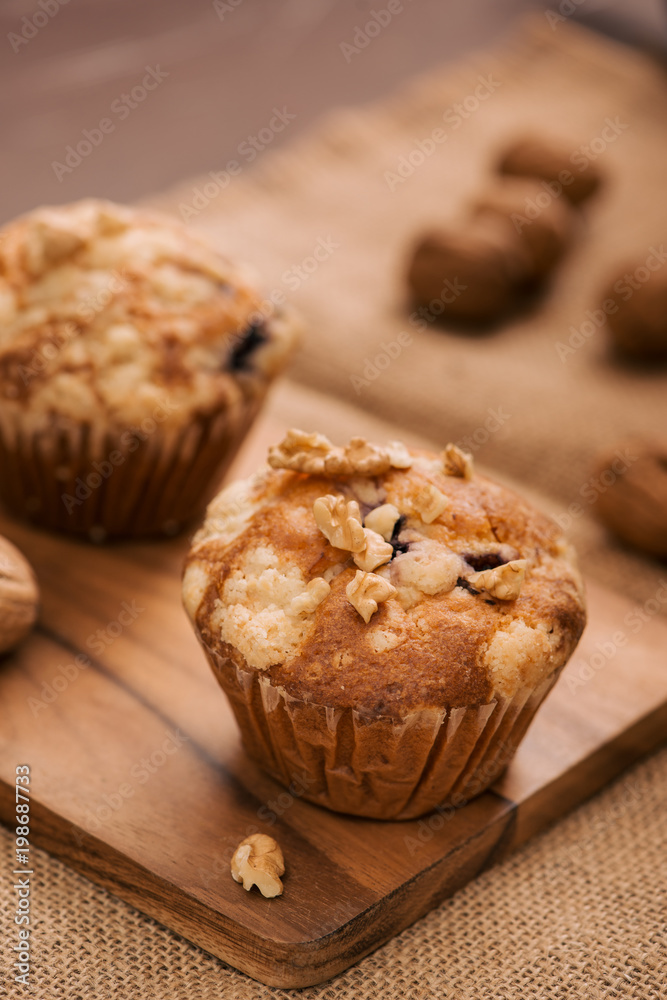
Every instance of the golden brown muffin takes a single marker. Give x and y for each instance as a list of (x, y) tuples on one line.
[(384, 622), (133, 358)]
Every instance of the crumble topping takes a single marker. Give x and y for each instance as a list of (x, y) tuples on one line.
[(382, 541), (110, 311)]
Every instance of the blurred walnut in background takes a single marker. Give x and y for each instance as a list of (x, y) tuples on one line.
[(535, 156), (514, 235), (635, 302), (634, 504)]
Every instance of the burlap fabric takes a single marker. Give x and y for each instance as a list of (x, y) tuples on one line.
[(580, 911)]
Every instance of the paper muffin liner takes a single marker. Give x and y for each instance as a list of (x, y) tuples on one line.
[(380, 768), (87, 480)]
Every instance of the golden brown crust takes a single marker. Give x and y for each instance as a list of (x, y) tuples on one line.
[(434, 644), (107, 311)]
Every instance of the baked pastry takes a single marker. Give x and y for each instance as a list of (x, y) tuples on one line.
[(385, 622), (562, 170), (133, 359)]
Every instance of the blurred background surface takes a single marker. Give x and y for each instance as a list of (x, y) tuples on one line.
[(217, 69)]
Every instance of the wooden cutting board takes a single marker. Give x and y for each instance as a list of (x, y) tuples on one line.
[(139, 781)]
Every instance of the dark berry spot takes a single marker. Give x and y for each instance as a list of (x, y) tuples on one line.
[(462, 582), (245, 344), (492, 603), (488, 560), (399, 547)]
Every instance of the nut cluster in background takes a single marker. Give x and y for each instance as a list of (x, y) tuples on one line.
[(497, 254)]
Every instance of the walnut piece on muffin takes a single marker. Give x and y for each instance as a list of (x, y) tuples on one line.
[(449, 642)]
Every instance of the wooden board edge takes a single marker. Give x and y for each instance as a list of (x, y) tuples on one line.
[(555, 800), (277, 964)]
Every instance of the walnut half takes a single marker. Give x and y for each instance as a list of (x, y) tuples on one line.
[(339, 520), (430, 503), (456, 462), (316, 455), (376, 552), (259, 861), (366, 591), (19, 596), (503, 582)]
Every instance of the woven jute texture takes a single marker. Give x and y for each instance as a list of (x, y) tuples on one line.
[(580, 911), (577, 913)]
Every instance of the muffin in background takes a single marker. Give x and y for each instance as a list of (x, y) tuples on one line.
[(385, 622), (133, 359)]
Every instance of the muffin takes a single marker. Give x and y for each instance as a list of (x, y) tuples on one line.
[(133, 359), (385, 622)]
